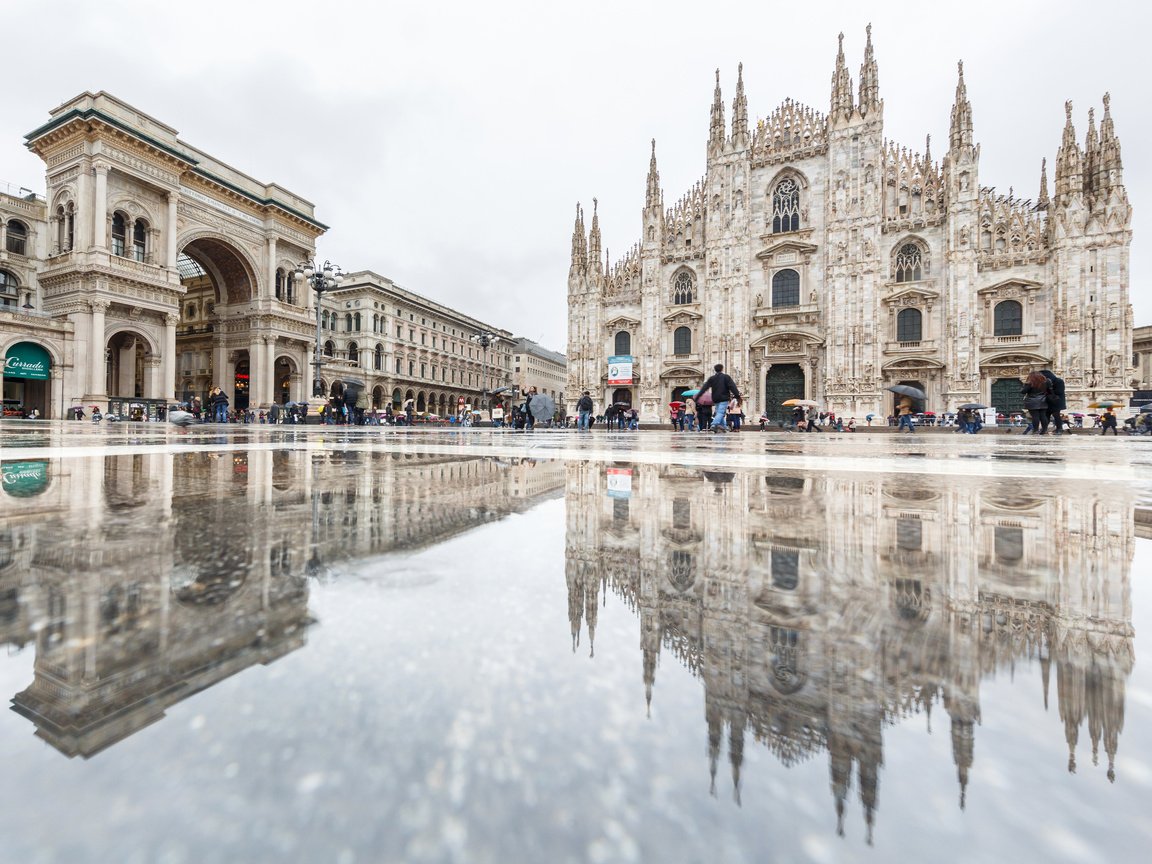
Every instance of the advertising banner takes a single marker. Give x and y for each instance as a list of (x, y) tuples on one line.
[(28, 361), (619, 482), (620, 369)]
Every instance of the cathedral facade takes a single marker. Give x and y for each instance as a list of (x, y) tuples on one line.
[(816, 258)]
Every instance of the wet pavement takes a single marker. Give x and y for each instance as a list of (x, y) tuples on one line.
[(323, 644)]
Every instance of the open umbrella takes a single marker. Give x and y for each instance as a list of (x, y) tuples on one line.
[(676, 403), (542, 407), (973, 406), (690, 392), (180, 418), (807, 403), (1146, 409), (905, 390), (870, 417), (1106, 403)]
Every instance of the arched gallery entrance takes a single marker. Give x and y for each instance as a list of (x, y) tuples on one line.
[(622, 396), (782, 382)]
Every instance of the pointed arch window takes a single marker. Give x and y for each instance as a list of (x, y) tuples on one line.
[(909, 263), (909, 325), (683, 288), (17, 238), (786, 288), (786, 206), (623, 344), (682, 341), (119, 234), (1008, 318)]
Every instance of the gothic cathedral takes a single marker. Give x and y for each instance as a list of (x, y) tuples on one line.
[(817, 259)]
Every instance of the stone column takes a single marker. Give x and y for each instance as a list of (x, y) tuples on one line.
[(81, 227), (171, 364), (257, 383), (270, 273), (98, 364), (154, 378), (100, 207), (171, 227), (228, 378), (270, 373)]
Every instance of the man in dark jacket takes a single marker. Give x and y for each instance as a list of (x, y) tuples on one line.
[(1057, 401), (723, 391), (584, 406)]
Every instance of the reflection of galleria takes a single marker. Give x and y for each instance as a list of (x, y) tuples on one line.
[(146, 578), (817, 610)]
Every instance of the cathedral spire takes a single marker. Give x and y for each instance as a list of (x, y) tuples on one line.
[(1091, 153), (594, 239), (960, 136), (927, 155), (869, 80), (740, 110), (841, 87), (716, 136), (1069, 161), (654, 198), (579, 244), (1111, 165), (1042, 203)]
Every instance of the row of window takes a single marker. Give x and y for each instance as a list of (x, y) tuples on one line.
[(445, 373)]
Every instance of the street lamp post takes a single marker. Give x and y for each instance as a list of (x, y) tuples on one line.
[(485, 340), (319, 279)]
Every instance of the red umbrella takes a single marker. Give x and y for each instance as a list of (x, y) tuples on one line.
[(676, 404)]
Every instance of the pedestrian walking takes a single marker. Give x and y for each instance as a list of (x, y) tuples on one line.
[(723, 390), (1057, 401), (690, 414), (736, 414), (585, 407), (1035, 392), (1108, 421), (905, 410)]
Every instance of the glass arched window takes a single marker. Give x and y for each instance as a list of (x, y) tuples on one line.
[(356, 320), (682, 341), (909, 325), (329, 349), (280, 284), (786, 288), (683, 288), (786, 206), (1008, 318), (909, 263), (353, 352), (324, 321), (119, 234), (348, 322), (623, 343), (139, 240), (17, 242), (378, 360)]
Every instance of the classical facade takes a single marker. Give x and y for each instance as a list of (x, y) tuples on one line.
[(815, 258), (820, 611), (533, 365), (149, 269), (403, 346), (1142, 359)]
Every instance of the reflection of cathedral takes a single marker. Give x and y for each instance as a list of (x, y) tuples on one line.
[(142, 579), (818, 609)]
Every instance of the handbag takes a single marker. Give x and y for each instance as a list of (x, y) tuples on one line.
[(704, 398)]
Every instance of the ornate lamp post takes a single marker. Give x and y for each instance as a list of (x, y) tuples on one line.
[(319, 279), (485, 340)]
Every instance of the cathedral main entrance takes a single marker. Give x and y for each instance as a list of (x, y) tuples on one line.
[(784, 381), (1006, 396)]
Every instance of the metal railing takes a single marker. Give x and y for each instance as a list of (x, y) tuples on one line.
[(22, 192)]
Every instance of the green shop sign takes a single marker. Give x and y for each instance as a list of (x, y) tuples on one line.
[(24, 479), (26, 360)]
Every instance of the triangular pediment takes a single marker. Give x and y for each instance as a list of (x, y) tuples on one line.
[(787, 246), (623, 321), (1021, 284), (682, 316), (918, 294)]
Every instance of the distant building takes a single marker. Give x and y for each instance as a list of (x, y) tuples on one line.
[(817, 258), (1142, 362), (402, 346), (536, 366)]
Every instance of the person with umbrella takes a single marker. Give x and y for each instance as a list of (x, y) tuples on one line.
[(1036, 391), (1057, 401), (906, 407), (690, 412), (1108, 420)]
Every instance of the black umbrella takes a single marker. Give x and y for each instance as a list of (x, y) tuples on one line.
[(973, 406), (905, 390), (542, 406), (1146, 409)]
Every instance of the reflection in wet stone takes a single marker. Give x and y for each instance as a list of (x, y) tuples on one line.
[(817, 610)]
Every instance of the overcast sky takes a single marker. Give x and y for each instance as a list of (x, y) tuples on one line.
[(446, 143)]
